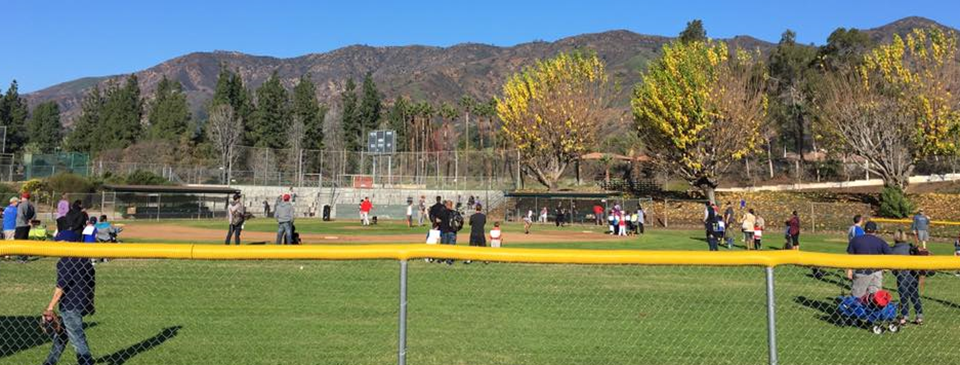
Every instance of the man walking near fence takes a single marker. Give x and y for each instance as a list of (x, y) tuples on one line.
[(867, 280), (76, 282), (236, 214), (284, 213)]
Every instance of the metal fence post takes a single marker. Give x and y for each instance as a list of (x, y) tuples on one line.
[(771, 318), (402, 346)]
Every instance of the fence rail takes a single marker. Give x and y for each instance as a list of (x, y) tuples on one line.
[(527, 305)]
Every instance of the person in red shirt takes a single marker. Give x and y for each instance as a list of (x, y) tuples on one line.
[(598, 214), (365, 207)]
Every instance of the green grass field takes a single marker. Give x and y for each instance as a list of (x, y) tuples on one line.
[(345, 312)]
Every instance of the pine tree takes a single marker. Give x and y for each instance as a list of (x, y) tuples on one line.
[(400, 119), (84, 137), (13, 116), (121, 115), (350, 122), (230, 91), (169, 112), (309, 111), (694, 32), (272, 115), (370, 106), (44, 128)]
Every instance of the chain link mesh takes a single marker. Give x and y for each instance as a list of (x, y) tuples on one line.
[(154, 311)]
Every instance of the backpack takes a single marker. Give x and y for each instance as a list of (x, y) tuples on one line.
[(456, 221), (239, 215)]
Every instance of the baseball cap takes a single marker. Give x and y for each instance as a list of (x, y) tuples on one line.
[(286, 197), (14, 199), (871, 226), (25, 195)]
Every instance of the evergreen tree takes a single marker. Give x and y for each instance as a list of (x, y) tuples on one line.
[(694, 32), (169, 112), (845, 49), (272, 115), (370, 107), (84, 137), (400, 118), (13, 116), (121, 116), (792, 79), (44, 128), (231, 91), (350, 122), (308, 110)]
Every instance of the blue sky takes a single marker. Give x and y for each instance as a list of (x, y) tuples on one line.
[(53, 41)]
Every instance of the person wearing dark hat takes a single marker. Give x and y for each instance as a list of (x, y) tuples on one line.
[(867, 280)]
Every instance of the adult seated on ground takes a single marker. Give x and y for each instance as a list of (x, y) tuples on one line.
[(867, 280), (106, 231)]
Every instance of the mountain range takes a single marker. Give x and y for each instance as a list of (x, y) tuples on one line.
[(421, 72)]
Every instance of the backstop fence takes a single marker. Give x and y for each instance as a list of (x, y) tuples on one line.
[(193, 304)]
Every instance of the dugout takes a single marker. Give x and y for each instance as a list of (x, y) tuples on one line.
[(155, 202), (578, 205)]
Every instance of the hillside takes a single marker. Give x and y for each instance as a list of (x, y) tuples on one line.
[(422, 72)]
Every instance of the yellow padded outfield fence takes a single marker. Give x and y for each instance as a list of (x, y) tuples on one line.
[(519, 255), (337, 304)]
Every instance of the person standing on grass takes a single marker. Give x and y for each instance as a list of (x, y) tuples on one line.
[(793, 232), (543, 216), (26, 212), (496, 237), (598, 214), (712, 227), (74, 295), (10, 219), (236, 214), (758, 228), (284, 214), (478, 232), (266, 208), (436, 209), (921, 228), (748, 224), (729, 218), (422, 210), (365, 207), (410, 214), (641, 219), (908, 281), (450, 222), (856, 230), (528, 221), (63, 206), (867, 281)]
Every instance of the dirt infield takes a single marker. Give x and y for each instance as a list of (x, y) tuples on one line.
[(171, 232)]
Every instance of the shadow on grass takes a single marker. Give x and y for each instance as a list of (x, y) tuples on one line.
[(121, 357), (21, 333), (827, 309)]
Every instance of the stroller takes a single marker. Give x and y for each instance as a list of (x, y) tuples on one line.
[(875, 311)]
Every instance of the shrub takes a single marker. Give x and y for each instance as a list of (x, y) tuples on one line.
[(69, 183), (141, 177), (894, 204)]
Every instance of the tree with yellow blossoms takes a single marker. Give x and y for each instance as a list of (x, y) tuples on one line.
[(551, 111), (900, 106), (700, 108)]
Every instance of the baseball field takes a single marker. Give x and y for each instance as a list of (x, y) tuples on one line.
[(345, 312)]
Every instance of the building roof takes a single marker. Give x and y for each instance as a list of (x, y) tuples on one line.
[(180, 189)]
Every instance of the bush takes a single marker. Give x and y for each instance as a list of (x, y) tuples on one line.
[(69, 183), (894, 204), (141, 177), (36, 187), (7, 192)]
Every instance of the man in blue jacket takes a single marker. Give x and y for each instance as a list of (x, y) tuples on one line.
[(10, 219)]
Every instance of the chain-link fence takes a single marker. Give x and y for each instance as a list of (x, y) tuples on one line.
[(261, 305)]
